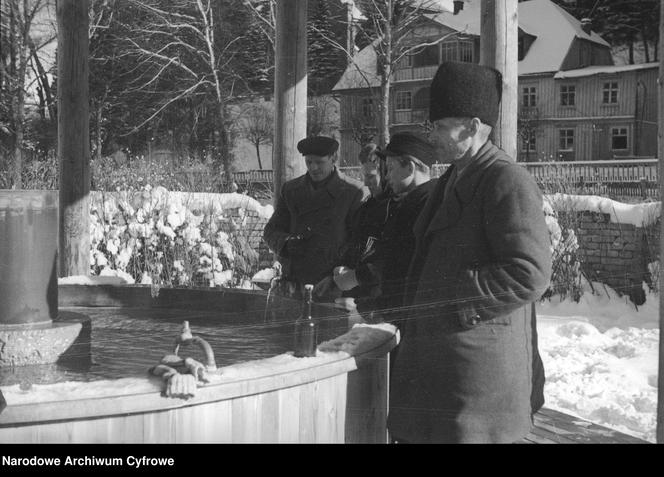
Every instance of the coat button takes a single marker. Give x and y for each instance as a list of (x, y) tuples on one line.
[(475, 319)]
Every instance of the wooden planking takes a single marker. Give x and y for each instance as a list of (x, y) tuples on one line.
[(289, 411), (366, 403)]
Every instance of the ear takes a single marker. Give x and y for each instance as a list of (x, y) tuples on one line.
[(474, 126)]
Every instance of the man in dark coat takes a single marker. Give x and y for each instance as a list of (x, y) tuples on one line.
[(468, 368), (312, 221), (408, 158)]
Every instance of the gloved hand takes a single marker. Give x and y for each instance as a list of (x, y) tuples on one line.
[(181, 386), (345, 278), (197, 369)]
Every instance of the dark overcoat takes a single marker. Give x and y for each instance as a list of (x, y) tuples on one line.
[(323, 214), (464, 372), (393, 252)]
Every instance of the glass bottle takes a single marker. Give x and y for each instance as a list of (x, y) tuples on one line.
[(306, 328)]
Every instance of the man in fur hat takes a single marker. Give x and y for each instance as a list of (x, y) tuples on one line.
[(467, 370), (312, 221)]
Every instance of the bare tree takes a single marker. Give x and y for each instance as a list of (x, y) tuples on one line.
[(320, 115), (389, 29), (19, 44), (191, 46), (257, 127)]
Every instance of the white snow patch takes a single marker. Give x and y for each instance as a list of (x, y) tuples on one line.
[(639, 215)]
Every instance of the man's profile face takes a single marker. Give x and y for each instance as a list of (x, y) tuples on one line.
[(319, 167), (399, 177), (371, 177), (451, 139)]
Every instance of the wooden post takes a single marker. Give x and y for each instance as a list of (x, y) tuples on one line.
[(660, 151), (499, 49), (290, 91), (73, 137)]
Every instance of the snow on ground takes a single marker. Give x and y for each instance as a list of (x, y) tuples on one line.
[(600, 358)]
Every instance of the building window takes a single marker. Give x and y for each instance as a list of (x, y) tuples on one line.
[(367, 108), (619, 139), (529, 141), (466, 51), (567, 93), (404, 100), (566, 140), (462, 50), (529, 96), (426, 57), (448, 51), (610, 93)]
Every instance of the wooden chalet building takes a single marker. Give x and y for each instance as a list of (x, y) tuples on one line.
[(574, 103)]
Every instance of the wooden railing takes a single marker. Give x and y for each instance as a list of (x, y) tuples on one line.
[(618, 177)]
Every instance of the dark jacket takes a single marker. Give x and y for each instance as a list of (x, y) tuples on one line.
[(394, 250), (464, 372), (323, 214)]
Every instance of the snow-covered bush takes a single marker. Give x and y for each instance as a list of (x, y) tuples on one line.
[(175, 239), (566, 273)]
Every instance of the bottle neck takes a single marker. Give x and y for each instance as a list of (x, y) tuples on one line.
[(308, 300)]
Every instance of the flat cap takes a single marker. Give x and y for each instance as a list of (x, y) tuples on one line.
[(466, 90), (317, 146), (412, 144)]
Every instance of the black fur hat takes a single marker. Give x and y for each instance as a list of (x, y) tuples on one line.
[(466, 90)]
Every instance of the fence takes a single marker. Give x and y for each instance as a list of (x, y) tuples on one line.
[(613, 178)]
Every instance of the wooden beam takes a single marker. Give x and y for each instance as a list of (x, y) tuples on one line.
[(499, 49), (660, 151), (73, 137), (290, 91)]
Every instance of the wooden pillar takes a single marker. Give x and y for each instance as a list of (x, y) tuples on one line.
[(660, 151), (499, 49), (73, 137), (290, 91)]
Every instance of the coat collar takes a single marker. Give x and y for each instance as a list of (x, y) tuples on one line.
[(449, 208)]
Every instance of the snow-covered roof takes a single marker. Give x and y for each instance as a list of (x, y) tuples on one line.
[(553, 28), (603, 70)]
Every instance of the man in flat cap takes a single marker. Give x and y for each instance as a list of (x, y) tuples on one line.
[(311, 224), (408, 158), (468, 368)]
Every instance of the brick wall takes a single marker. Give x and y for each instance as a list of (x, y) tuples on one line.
[(613, 253)]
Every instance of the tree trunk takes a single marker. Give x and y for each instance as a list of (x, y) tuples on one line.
[(258, 154), (98, 142), (73, 137), (223, 146), (20, 40), (646, 47), (43, 80), (385, 79), (631, 52)]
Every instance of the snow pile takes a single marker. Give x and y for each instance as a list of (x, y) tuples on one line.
[(600, 358), (639, 215)]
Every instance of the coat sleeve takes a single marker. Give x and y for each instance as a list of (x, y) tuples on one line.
[(519, 243), (277, 228)]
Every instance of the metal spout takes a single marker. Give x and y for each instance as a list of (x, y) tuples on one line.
[(186, 337)]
